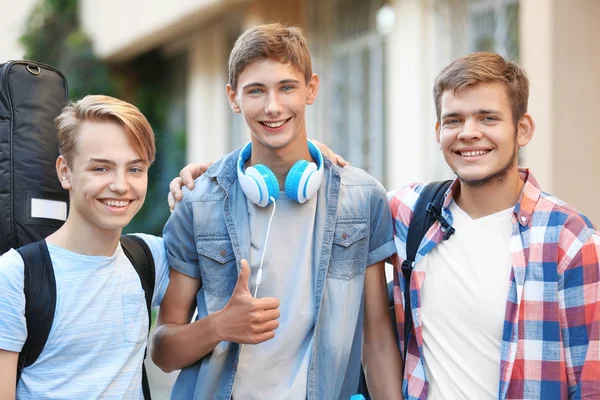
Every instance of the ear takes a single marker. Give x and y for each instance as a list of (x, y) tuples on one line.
[(232, 98), (437, 133), (64, 172), (313, 89), (525, 129)]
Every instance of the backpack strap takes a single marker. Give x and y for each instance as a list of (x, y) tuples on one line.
[(40, 301), (427, 210), (138, 252)]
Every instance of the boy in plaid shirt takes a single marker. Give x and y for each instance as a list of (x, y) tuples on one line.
[(509, 306)]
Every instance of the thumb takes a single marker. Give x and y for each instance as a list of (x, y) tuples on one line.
[(242, 283)]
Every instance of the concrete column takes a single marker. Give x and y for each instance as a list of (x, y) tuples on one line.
[(559, 48), (409, 101), (207, 108)]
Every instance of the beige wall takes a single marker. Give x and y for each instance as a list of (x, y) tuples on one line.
[(14, 18), (121, 29), (560, 42)]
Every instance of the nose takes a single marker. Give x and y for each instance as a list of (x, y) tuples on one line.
[(119, 183), (273, 106), (470, 130)]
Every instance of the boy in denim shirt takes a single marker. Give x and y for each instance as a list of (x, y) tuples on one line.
[(280, 251)]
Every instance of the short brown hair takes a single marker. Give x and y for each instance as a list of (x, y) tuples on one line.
[(99, 108), (273, 41), (484, 67)]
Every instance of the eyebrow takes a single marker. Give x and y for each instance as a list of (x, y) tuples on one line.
[(258, 84), (109, 162), (482, 111)]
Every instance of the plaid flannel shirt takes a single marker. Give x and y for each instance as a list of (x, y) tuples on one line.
[(551, 338)]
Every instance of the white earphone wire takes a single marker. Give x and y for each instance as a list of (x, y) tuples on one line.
[(262, 259)]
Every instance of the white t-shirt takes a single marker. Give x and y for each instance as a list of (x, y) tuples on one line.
[(278, 368), (96, 345), (463, 303)]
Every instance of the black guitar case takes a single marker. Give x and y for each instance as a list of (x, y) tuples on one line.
[(32, 202)]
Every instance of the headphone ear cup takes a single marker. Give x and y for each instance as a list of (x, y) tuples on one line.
[(296, 181), (270, 185)]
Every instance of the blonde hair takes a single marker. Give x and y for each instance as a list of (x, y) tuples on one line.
[(100, 108), (484, 67), (272, 41)]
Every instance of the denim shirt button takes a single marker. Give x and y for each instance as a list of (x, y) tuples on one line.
[(223, 253), (234, 365), (344, 236)]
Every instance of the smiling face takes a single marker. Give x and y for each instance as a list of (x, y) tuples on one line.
[(477, 136), (107, 179), (273, 97)]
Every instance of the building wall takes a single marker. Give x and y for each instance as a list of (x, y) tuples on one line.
[(560, 42), (122, 29), (14, 18)]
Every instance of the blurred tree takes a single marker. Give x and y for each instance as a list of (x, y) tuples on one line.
[(53, 36)]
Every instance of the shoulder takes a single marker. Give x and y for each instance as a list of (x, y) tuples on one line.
[(155, 244), (559, 212), (570, 227), (209, 185), (352, 176), (11, 275), (404, 199), (11, 266)]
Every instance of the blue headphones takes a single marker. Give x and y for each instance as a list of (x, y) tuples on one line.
[(260, 184)]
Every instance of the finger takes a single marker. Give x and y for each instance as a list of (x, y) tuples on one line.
[(261, 337), (340, 160), (188, 174), (269, 315), (267, 303), (175, 188), (242, 283), (171, 201)]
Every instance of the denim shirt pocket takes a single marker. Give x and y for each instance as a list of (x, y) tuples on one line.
[(349, 249), (217, 266)]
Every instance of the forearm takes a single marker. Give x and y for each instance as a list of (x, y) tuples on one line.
[(8, 374), (176, 346), (382, 364)]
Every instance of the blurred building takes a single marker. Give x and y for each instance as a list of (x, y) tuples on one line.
[(377, 60)]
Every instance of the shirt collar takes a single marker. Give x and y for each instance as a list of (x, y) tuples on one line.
[(527, 200)]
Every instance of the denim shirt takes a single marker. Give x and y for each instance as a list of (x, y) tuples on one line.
[(208, 234)]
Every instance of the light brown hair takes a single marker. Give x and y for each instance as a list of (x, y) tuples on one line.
[(273, 41), (99, 108), (484, 67)]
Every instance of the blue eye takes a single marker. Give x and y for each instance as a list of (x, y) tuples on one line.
[(287, 88), (255, 91), (100, 169)]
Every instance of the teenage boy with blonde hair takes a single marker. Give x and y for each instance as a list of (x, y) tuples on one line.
[(293, 329), (96, 345)]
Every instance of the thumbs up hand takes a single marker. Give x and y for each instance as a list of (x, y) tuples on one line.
[(246, 320)]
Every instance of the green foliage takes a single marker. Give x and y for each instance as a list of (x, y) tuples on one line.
[(53, 36)]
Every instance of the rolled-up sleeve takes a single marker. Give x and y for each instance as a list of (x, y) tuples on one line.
[(180, 241), (381, 242)]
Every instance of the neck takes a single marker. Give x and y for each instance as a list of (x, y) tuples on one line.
[(491, 198), (280, 161), (84, 239)]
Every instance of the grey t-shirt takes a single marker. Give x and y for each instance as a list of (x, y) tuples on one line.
[(278, 368)]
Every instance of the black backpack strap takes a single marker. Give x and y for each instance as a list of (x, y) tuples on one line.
[(138, 252), (40, 301), (427, 210)]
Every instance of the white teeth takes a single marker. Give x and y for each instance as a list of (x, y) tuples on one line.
[(474, 153), (115, 203), (274, 124)]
